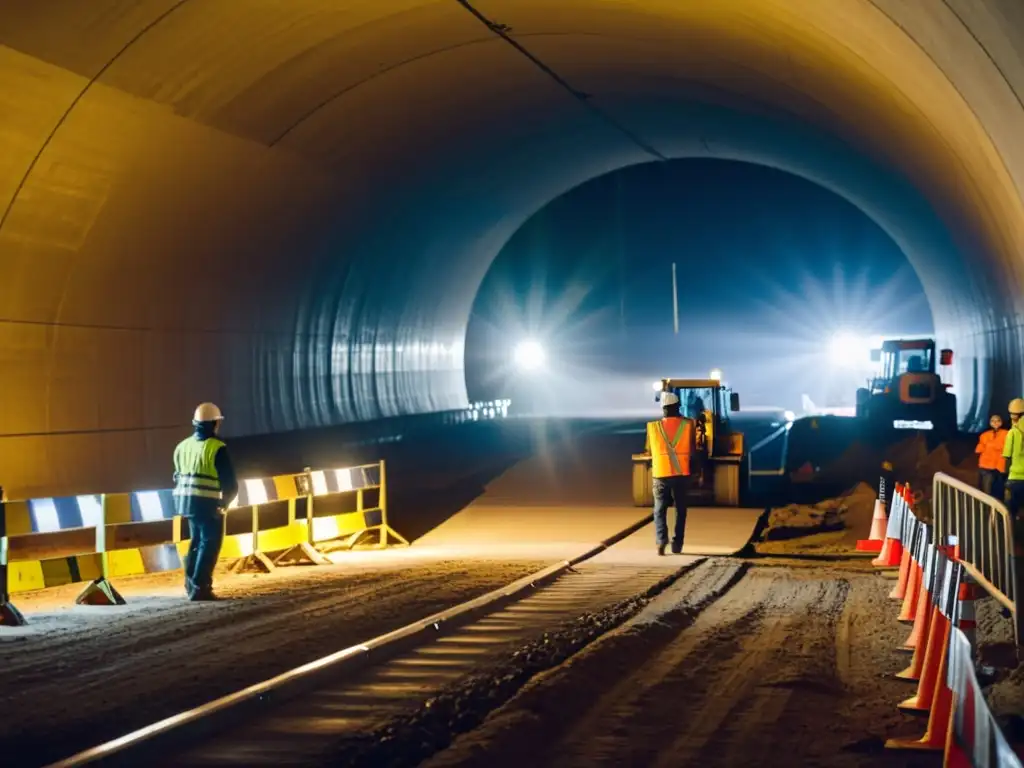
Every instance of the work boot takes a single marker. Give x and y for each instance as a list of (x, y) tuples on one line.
[(203, 596), (661, 550)]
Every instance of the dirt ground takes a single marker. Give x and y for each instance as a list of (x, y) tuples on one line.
[(98, 672), (789, 667)]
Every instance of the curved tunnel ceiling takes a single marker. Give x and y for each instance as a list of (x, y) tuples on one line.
[(289, 207)]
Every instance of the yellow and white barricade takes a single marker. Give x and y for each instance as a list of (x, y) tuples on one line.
[(96, 538)]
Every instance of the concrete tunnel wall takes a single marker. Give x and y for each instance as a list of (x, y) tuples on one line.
[(288, 207)]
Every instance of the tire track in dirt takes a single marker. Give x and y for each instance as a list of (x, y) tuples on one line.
[(764, 675), (547, 710)]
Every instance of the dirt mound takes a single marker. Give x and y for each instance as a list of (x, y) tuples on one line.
[(831, 526), (913, 461)]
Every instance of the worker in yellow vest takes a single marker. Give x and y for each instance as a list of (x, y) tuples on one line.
[(671, 443), (204, 485), (1013, 450)]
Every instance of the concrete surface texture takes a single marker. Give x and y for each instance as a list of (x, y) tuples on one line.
[(572, 494), (195, 196)]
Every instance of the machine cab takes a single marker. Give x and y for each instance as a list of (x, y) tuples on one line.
[(901, 356), (906, 391), (708, 402)]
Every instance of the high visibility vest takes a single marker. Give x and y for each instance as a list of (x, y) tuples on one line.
[(1013, 450), (671, 442), (990, 450), (194, 464)]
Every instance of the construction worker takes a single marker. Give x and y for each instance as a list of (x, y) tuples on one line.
[(991, 464), (1013, 450), (204, 485), (671, 442)]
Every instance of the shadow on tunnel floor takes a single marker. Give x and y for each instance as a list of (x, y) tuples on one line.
[(415, 509)]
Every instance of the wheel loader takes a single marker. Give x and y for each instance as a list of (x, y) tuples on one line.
[(719, 461), (906, 391)]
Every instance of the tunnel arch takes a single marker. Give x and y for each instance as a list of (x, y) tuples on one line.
[(286, 209)]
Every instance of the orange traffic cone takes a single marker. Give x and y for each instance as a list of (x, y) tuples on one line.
[(935, 734), (907, 527), (937, 646), (908, 611), (924, 604), (914, 672), (892, 549), (876, 538), (900, 590)]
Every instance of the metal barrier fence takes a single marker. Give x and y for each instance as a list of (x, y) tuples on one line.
[(984, 531), (288, 518), (974, 738), (936, 594)]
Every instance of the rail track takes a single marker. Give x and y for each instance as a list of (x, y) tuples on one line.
[(300, 717)]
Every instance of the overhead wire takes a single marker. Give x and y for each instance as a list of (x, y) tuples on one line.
[(505, 33)]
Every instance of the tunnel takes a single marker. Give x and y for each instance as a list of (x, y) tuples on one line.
[(288, 208)]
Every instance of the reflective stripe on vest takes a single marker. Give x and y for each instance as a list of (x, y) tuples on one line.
[(670, 457), (195, 465)]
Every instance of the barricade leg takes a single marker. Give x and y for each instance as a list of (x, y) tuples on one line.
[(10, 616), (100, 591), (256, 559), (385, 528), (303, 551)]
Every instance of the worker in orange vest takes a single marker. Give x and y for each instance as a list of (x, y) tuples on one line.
[(991, 464), (671, 443)]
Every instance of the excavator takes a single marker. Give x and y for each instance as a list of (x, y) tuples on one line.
[(906, 392), (719, 461)]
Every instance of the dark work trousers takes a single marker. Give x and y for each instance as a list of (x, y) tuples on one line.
[(1016, 498), (990, 481), (666, 491), (207, 532)]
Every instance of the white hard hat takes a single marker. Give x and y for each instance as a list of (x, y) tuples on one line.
[(1016, 407), (207, 412), (669, 398)]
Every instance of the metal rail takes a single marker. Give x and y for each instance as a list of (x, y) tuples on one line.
[(781, 432), (173, 731), (984, 533)]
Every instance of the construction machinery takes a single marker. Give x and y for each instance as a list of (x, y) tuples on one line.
[(719, 461), (906, 392)]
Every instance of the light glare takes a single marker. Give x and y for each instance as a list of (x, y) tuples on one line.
[(529, 355)]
